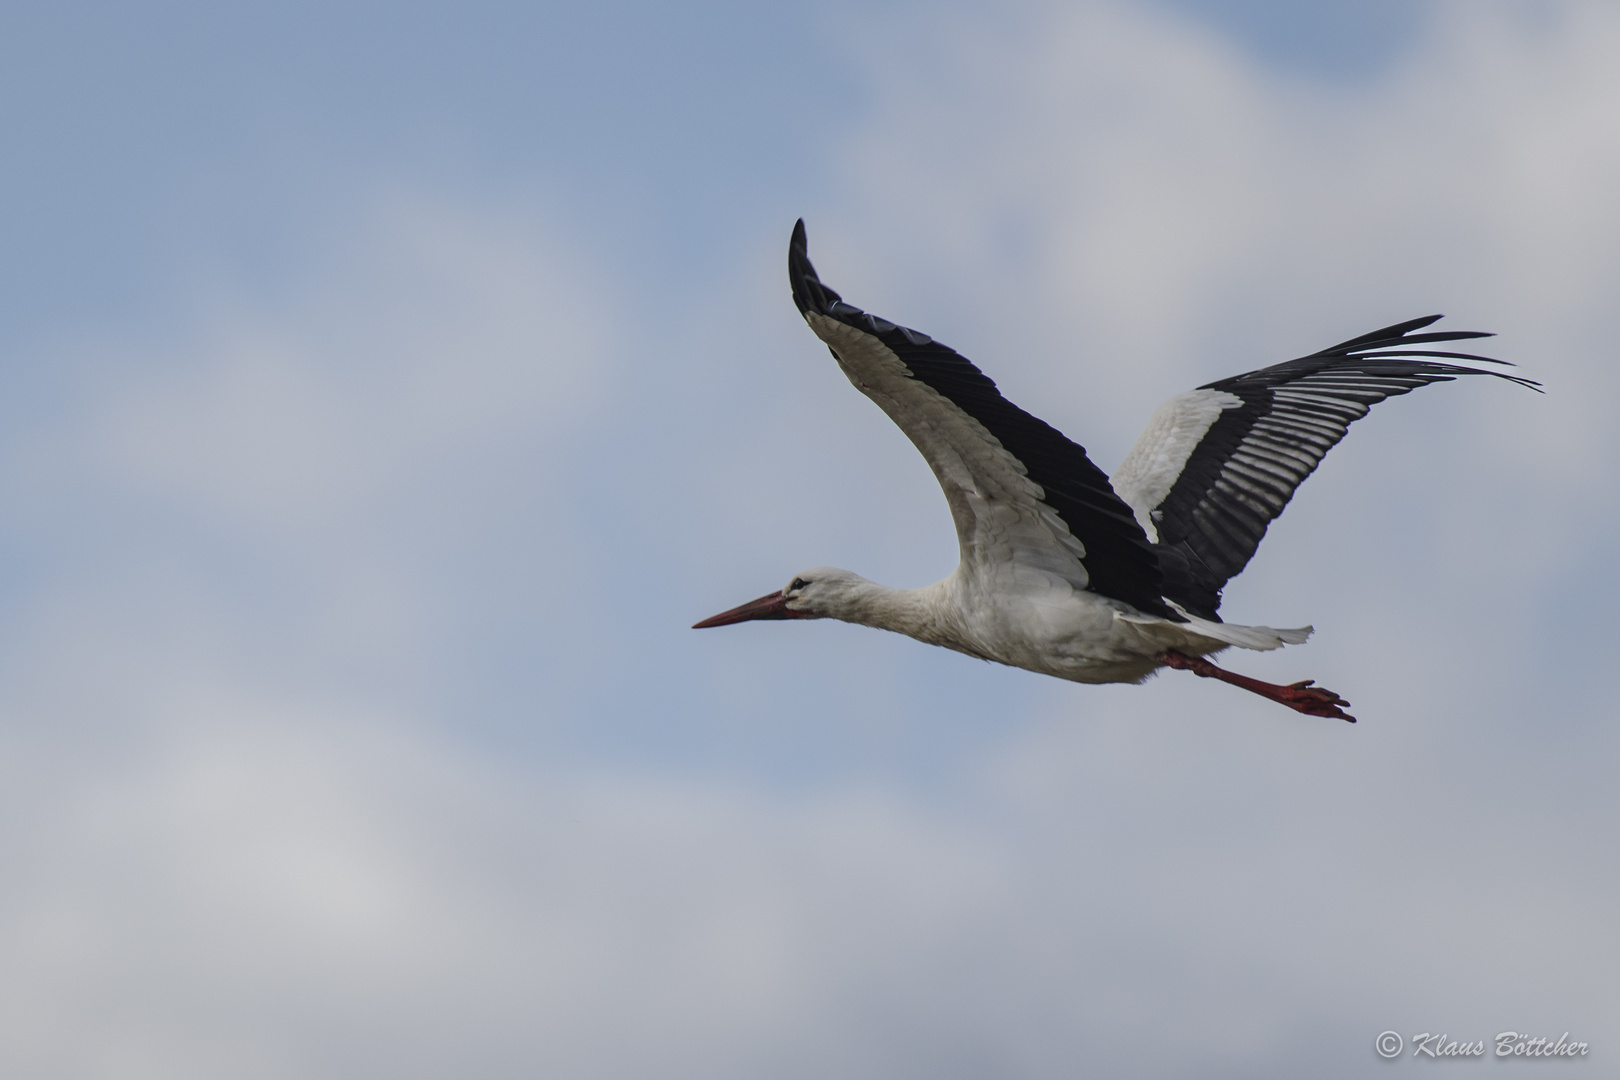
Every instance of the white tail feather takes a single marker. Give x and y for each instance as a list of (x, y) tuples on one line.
[(1258, 638)]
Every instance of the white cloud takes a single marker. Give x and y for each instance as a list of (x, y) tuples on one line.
[(436, 335), (231, 856), (291, 483), (274, 890)]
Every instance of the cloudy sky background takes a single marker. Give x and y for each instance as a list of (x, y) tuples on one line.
[(386, 388)]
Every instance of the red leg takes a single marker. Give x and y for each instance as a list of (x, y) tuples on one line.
[(1314, 700)]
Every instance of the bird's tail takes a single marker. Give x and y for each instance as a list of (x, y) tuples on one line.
[(1258, 638)]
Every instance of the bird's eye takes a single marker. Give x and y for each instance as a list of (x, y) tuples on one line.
[(798, 583)]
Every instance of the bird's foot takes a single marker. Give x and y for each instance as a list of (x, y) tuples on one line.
[(1303, 696), (1315, 700)]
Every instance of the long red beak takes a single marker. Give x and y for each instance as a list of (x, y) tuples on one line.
[(770, 606)]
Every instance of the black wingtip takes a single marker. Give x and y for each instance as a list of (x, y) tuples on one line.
[(1401, 329), (1401, 336), (809, 294), (800, 272), (1387, 333)]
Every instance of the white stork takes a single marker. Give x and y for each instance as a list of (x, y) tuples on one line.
[(1064, 571)]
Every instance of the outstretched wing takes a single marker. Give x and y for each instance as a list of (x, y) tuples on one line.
[(1021, 495), (1218, 464)]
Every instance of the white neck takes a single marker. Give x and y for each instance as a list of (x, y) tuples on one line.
[(929, 614)]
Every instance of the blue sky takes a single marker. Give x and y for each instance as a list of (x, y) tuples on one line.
[(388, 388)]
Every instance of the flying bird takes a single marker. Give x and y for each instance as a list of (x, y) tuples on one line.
[(1065, 571)]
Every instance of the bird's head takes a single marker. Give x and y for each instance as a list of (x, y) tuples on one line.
[(812, 594)]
